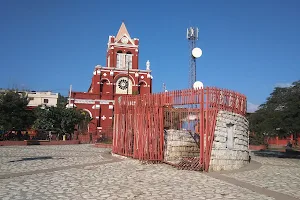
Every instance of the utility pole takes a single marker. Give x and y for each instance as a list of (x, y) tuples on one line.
[(128, 77), (164, 87), (70, 97)]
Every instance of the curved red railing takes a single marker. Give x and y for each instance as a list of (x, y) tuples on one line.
[(139, 120)]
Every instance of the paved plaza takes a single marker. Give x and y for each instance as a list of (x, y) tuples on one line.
[(86, 172)]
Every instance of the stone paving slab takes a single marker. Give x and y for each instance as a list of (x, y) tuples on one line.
[(85, 172), (275, 174), (127, 179), (30, 158), (277, 161)]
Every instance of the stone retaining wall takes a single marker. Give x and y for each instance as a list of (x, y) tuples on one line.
[(179, 144), (230, 146)]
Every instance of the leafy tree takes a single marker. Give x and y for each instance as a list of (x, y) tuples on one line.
[(14, 114), (61, 120), (280, 114), (44, 119), (72, 117), (62, 101)]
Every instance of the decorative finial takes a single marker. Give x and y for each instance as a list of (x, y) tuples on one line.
[(148, 65)]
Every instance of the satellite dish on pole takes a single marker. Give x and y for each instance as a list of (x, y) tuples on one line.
[(197, 52), (198, 85)]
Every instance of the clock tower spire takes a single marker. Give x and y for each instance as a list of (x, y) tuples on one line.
[(122, 32), (122, 50)]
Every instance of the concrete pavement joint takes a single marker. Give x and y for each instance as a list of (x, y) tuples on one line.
[(254, 165), (260, 190), (56, 169)]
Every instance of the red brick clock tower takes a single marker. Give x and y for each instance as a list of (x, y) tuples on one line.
[(121, 76)]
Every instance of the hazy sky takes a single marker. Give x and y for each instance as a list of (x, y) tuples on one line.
[(248, 46)]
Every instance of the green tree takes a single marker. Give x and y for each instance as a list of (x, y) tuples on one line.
[(280, 114), (61, 120), (62, 100), (14, 114), (72, 117)]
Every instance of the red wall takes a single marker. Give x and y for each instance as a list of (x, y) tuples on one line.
[(281, 142), (257, 147)]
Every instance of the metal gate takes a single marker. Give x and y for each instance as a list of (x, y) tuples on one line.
[(138, 127), (139, 121)]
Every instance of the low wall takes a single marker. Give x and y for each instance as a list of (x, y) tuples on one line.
[(257, 147), (281, 142), (85, 138), (179, 144), (230, 146), (60, 142), (13, 143), (37, 142), (103, 145)]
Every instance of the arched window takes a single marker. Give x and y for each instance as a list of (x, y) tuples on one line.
[(124, 60), (120, 58), (104, 86), (128, 60), (142, 88)]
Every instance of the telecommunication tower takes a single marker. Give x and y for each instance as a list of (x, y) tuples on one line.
[(164, 87), (195, 52)]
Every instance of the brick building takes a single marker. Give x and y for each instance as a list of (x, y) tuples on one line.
[(120, 76)]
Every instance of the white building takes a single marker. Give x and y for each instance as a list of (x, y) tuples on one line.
[(42, 98), (39, 98)]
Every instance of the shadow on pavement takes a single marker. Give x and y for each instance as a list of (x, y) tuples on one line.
[(34, 158), (289, 153)]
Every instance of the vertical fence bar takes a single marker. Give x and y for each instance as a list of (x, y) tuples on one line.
[(207, 132), (202, 129), (161, 133)]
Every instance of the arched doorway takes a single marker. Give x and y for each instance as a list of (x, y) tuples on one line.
[(104, 89), (142, 87), (84, 126)]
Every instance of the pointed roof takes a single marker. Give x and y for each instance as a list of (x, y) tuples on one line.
[(122, 31)]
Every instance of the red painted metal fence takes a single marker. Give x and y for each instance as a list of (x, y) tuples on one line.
[(140, 120)]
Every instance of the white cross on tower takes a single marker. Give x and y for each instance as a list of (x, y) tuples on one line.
[(104, 74), (103, 117)]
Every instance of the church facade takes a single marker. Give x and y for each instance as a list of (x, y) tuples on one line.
[(121, 76)]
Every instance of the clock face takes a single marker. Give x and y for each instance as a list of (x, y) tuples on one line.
[(124, 40), (123, 84)]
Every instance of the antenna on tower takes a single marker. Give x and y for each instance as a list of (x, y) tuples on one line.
[(164, 88), (195, 52)]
